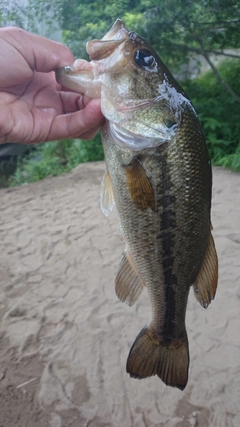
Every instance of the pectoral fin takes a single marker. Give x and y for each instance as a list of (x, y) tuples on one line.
[(106, 195), (205, 285), (139, 185), (128, 286)]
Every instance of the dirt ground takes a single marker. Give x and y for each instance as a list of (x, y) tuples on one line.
[(65, 337)]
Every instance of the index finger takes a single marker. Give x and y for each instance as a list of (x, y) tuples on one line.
[(40, 53)]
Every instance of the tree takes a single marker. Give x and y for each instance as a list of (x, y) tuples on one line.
[(11, 13), (177, 29)]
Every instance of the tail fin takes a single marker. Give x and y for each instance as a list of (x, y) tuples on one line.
[(169, 360)]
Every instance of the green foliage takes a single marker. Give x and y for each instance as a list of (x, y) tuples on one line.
[(55, 158), (231, 161), (42, 17), (11, 13), (219, 113), (175, 28)]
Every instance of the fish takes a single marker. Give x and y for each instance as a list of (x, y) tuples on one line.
[(159, 179)]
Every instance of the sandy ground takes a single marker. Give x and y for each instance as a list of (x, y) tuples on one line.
[(65, 337)]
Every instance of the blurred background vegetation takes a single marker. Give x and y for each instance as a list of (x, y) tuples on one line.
[(190, 37)]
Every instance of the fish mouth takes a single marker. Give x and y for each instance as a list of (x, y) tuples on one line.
[(80, 78), (79, 65), (100, 49), (83, 76)]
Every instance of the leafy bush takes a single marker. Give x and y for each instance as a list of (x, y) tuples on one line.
[(55, 158), (219, 113), (231, 161)]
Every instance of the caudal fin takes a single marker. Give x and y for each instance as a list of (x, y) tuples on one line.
[(169, 360)]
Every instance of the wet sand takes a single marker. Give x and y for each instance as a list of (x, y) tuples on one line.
[(65, 337)]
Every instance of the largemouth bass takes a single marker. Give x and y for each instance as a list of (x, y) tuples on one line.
[(159, 178)]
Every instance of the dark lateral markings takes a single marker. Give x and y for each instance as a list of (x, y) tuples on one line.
[(167, 226)]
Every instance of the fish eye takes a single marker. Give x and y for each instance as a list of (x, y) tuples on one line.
[(144, 58)]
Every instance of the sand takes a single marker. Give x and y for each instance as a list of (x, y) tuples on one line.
[(65, 337)]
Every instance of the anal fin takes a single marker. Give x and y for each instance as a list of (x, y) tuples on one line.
[(205, 285), (106, 195), (128, 286)]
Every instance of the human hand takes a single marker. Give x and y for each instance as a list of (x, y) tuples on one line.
[(33, 106)]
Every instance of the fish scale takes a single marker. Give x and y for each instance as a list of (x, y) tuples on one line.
[(159, 179)]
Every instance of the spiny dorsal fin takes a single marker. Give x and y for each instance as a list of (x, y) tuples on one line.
[(205, 285), (128, 286), (139, 185), (106, 195)]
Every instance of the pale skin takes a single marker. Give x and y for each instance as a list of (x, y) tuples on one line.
[(33, 106)]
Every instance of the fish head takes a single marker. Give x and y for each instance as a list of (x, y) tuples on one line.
[(139, 96), (117, 58)]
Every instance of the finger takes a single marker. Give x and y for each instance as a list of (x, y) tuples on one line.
[(71, 101), (40, 53), (74, 125), (90, 134)]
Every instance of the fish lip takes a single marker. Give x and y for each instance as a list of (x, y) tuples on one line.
[(60, 72), (79, 66), (118, 32), (99, 49)]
